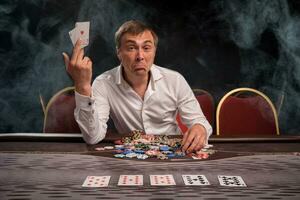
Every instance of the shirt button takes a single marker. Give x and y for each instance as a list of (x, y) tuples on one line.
[(90, 103)]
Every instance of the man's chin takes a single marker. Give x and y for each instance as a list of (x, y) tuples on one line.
[(140, 72)]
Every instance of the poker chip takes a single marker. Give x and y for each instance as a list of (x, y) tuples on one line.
[(119, 155), (164, 148), (162, 156), (108, 147), (207, 146), (152, 147), (118, 142), (171, 155), (151, 152), (131, 155), (142, 156), (167, 152), (99, 148), (200, 155), (119, 147), (127, 151), (179, 154), (139, 151)]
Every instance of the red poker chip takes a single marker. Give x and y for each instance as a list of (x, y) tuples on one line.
[(119, 142)]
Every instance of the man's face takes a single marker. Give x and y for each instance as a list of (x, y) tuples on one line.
[(136, 54)]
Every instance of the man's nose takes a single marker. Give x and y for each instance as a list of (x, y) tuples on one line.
[(140, 55)]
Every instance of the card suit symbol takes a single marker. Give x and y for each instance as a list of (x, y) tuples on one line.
[(81, 32)]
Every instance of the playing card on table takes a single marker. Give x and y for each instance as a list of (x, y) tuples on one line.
[(130, 180), (195, 180), (81, 31), (162, 180), (96, 181), (234, 181)]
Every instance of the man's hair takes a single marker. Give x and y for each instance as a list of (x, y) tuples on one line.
[(133, 27)]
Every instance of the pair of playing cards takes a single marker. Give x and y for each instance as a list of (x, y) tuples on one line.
[(81, 31), (224, 180)]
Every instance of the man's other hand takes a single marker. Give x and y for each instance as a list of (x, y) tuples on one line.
[(194, 139)]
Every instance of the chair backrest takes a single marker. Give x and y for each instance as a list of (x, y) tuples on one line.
[(59, 113), (207, 104), (248, 112)]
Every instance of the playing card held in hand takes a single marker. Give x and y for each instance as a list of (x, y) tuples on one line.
[(81, 31)]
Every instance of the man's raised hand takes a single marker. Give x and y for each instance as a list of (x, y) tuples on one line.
[(80, 69)]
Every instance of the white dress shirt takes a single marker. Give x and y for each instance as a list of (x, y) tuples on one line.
[(167, 93)]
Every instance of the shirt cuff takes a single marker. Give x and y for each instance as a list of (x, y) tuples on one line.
[(84, 102)]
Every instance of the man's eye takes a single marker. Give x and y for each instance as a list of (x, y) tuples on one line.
[(131, 48), (147, 48)]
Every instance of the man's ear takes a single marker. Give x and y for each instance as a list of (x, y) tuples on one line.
[(118, 54)]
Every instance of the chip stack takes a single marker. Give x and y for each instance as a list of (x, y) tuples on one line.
[(142, 146)]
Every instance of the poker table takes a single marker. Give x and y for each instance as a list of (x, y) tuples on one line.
[(54, 166)]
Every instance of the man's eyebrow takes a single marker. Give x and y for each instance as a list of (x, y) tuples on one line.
[(134, 42), (148, 41)]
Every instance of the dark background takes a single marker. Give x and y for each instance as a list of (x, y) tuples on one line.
[(218, 45)]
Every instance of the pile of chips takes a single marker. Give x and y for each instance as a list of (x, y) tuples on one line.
[(142, 146)]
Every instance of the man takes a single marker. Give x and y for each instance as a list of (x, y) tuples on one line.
[(137, 94)]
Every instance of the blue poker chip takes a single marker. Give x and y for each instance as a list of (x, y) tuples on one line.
[(180, 154), (171, 155), (139, 151), (164, 148), (127, 152), (167, 152)]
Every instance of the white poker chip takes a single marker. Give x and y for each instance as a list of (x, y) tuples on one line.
[(131, 155), (152, 147), (207, 146), (99, 148), (142, 156), (108, 147), (119, 155)]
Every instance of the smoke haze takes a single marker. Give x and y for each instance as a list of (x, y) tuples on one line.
[(217, 45)]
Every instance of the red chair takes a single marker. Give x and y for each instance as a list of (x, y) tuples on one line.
[(248, 112), (207, 104), (59, 113)]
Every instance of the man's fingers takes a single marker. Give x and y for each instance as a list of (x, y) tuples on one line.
[(66, 59), (200, 144), (76, 51), (185, 135), (87, 61), (188, 141), (193, 145), (80, 55)]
